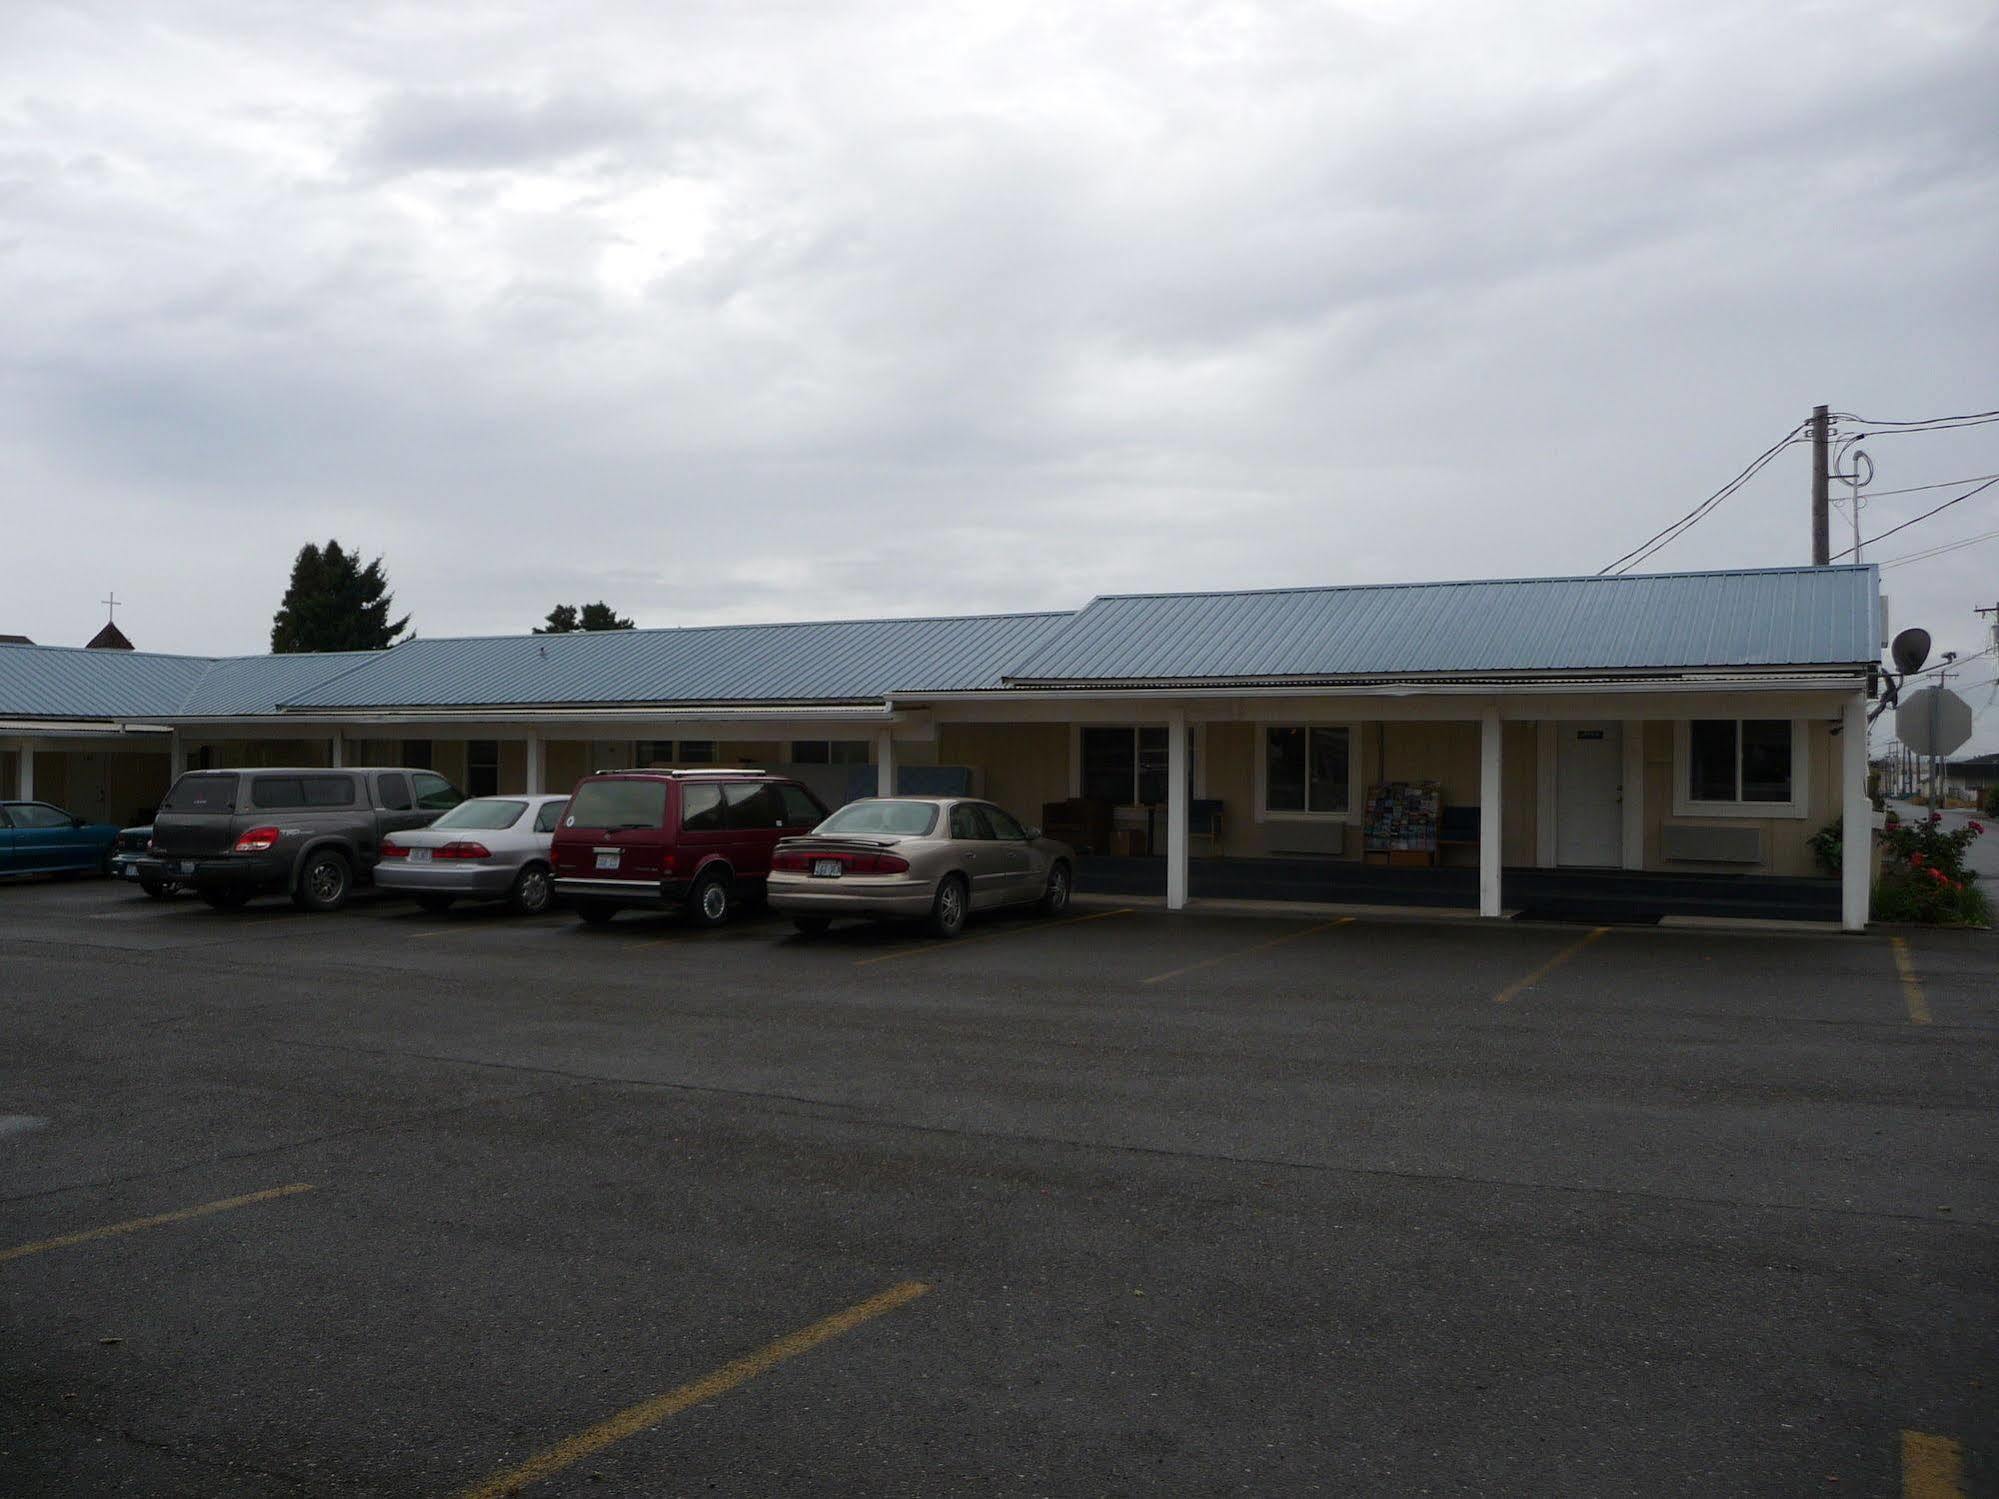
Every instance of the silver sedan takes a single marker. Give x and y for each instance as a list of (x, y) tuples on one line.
[(940, 857), (488, 848)]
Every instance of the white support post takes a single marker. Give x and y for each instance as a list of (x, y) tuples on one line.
[(1857, 821), (536, 774), (885, 762), (337, 755), (1634, 793), (1176, 810), (27, 775), (1489, 820)]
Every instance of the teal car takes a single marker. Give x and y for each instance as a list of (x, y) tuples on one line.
[(37, 838)]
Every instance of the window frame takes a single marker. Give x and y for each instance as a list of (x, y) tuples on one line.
[(1260, 754), (1684, 804)]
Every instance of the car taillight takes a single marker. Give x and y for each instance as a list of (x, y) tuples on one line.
[(256, 840), (393, 850), (463, 851), (149, 845), (801, 861)]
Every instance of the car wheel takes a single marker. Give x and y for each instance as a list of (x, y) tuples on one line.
[(812, 926), (713, 901), (533, 890), (323, 883), (433, 903), (228, 898), (156, 887), (948, 911), (595, 911), (1055, 899)]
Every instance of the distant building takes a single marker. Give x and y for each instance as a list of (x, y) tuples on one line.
[(15, 640), (110, 638)]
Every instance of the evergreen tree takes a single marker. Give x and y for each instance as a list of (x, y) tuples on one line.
[(565, 618), (335, 604)]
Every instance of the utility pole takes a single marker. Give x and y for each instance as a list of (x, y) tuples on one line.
[(1821, 487)]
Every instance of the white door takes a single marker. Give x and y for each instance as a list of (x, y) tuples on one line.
[(1589, 794)]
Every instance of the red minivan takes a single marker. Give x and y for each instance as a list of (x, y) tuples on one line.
[(701, 839)]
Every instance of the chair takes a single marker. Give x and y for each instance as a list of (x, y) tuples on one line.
[(1204, 820)]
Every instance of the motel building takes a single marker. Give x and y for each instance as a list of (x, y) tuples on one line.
[(1618, 745)]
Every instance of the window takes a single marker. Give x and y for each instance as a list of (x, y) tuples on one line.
[(393, 791), (434, 793), (966, 823), (701, 809), (1306, 771), (482, 767), (1003, 825), (487, 814), (829, 752), (276, 792), (416, 754), (201, 793), (328, 791), (751, 807), (1740, 761), (549, 818), (672, 752), (39, 815), (617, 804), (896, 819), (1125, 766), (800, 810)]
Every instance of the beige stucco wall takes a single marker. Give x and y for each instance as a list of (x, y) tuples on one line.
[(1785, 846), (1024, 766)]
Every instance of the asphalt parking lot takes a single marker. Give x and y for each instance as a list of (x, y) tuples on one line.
[(387, 1203)]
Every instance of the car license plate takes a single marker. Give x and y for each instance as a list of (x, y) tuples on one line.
[(608, 861), (187, 866), (130, 871), (827, 869), (419, 856)]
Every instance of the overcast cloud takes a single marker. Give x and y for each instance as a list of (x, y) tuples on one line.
[(750, 311)]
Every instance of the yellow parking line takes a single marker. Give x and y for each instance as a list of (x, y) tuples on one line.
[(1020, 931), (1513, 989), (649, 1413), (1932, 1467), (1243, 952), (133, 1225), (1912, 987)]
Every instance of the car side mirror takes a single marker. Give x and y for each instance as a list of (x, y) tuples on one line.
[(1032, 834), (78, 822)]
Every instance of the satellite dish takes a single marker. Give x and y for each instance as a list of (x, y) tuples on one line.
[(1910, 650)]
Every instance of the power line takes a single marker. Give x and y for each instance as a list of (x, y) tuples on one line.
[(1882, 494), (1953, 500), (1938, 551), (1662, 539), (1917, 421)]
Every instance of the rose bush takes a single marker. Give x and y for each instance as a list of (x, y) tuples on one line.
[(1923, 877)]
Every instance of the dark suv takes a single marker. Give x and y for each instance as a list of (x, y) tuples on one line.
[(311, 834), (699, 838)]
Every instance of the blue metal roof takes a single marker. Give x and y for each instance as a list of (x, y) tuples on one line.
[(259, 684), (49, 681), (838, 661), (1798, 616), (1775, 617)]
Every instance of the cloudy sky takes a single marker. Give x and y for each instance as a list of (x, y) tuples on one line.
[(783, 310)]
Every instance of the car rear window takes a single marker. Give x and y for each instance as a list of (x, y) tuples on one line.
[(201, 793), (617, 804), (889, 818), (488, 814)]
